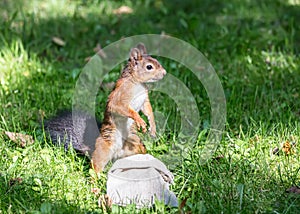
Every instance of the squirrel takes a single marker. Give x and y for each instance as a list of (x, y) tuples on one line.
[(119, 128), (118, 134)]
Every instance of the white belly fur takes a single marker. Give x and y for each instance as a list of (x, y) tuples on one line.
[(123, 123), (140, 95)]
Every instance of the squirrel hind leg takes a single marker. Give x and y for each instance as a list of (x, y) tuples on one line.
[(102, 154), (133, 145)]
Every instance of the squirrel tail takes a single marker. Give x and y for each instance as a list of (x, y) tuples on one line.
[(78, 129)]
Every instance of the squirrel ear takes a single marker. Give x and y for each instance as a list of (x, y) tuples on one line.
[(142, 48), (135, 54)]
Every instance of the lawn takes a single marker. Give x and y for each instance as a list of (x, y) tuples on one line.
[(254, 47)]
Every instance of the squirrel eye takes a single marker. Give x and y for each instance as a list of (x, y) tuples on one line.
[(149, 67)]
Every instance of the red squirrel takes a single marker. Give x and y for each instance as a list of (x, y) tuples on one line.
[(118, 133)]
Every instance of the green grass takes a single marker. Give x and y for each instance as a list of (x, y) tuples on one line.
[(254, 47)]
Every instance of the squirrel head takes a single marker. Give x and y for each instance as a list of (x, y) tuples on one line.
[(142, 67)]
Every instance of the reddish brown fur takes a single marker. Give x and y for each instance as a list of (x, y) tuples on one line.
[(129, 96)]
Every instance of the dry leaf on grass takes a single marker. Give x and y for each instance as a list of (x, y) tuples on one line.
[(218, 158), (99, 51), (87, 59), (288, 148), (182, 204), (293, 189), (275, 151), (14, 181), (96, 191), (58, 41), (123, 10), (21, 139)]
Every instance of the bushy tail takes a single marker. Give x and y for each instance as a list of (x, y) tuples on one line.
[(78, 129)]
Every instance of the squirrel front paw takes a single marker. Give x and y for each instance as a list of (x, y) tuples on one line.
[(141, 124)]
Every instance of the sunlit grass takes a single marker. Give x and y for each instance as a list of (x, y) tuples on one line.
[(254, 49), (294, 2)]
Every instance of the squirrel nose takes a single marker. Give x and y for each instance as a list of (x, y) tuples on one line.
[(164, 72)]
